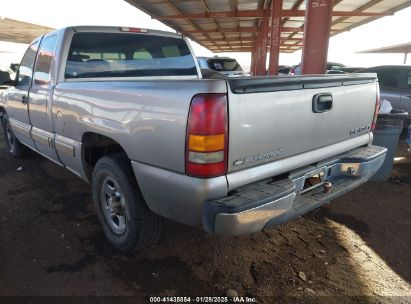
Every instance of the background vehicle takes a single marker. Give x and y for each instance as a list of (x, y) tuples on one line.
[(395, 86), (332, 68), (224, 65), (351, 69), (5, 78), (129, 111), (284, 70)]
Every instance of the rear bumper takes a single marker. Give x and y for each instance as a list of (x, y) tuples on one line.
[(270, 202)]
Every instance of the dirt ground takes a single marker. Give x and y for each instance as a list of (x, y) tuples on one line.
[(356, 249)]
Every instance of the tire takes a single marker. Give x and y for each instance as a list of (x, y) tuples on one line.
[(127, 221), (15, 148)]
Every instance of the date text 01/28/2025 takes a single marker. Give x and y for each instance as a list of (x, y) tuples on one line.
[(202, 300)]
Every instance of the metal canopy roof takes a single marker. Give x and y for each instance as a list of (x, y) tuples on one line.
[(20, 32), (231, 25), (399, 48)]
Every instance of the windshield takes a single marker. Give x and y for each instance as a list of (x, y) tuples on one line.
[(94, 55), (222, 65)]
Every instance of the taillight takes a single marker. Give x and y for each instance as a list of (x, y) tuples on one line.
[(207, 136), (377, 109)]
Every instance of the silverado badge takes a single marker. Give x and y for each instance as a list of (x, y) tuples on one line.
[(250, 159)]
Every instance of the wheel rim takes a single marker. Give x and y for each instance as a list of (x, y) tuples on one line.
[(10, 137), (113, 205)]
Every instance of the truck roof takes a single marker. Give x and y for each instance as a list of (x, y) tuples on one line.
[(118, 29)]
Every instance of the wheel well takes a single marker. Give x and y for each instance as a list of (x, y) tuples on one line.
[(94, 147)]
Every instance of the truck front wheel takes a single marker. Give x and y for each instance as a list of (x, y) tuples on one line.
[(127, 221), (14, 146)]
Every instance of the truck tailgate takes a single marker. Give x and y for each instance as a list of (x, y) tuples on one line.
[(276, 118)]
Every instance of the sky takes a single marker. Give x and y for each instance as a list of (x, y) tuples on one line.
[(386, 31)]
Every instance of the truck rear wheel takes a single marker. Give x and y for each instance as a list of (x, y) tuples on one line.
[(127, 221), (15, 148)]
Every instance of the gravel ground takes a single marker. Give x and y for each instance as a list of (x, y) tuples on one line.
[(355, 249)]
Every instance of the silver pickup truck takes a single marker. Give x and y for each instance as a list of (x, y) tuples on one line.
[(129, 111)]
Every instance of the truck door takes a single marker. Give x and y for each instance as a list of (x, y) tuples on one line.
[(18, 97), (389, 79), (41, 94)]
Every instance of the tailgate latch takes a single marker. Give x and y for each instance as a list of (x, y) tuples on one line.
[(322, 102)]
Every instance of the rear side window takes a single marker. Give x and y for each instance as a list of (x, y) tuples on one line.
[(94, 55), (388, 77)]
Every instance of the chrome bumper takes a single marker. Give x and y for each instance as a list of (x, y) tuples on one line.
[(270, 202)]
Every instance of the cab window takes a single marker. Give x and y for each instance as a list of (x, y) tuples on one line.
[(42, 73), (142, 54), (25, 71), (95, 55)]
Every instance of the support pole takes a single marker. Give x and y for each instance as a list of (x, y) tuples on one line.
[(405, 57), (276, 9), (253, 60), (257, 54), (262, 68), (318, 16)]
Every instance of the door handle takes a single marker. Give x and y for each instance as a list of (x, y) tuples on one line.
[(24, 99), (408, 96), (322, 102)]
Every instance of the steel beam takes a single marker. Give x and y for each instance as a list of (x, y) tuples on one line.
[(260, 14), (316, 36), (229, 14), (301, 13), (276, 9), (359, 10), (239, 44), (250, 49), (250, 29), (234, 45), (246, 39), (265, 26), (295, 6), (173, 7), (217, 25)]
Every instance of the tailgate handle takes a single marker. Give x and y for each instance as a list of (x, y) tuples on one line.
[(322, 102)]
